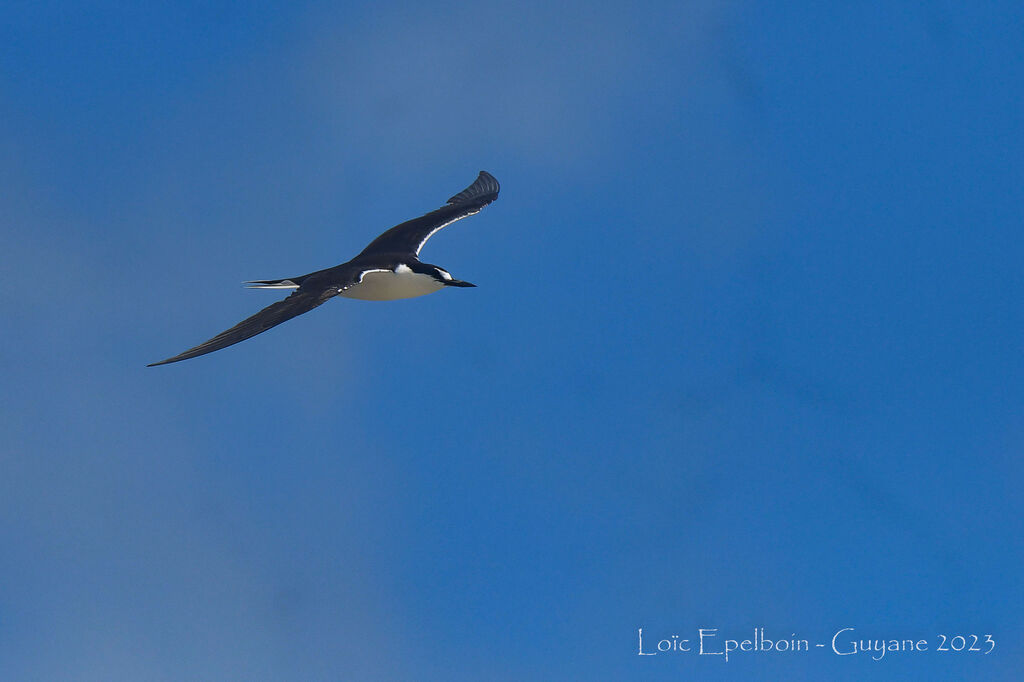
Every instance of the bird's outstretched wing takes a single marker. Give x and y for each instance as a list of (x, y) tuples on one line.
[(271, 316), (410, 236)]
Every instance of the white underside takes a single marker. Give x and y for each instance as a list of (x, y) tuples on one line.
[(385, 285)]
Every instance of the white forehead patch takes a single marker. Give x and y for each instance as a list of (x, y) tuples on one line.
[(444, 274)]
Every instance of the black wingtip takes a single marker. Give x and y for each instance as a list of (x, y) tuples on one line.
[(483, 190)]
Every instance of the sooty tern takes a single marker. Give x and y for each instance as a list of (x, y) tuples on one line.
[(386, 270)]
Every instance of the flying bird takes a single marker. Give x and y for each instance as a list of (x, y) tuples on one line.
[(386, 270)]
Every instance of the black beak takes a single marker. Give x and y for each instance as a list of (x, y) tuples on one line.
[(459, 283)]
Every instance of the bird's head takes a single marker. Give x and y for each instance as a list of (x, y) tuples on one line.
[(445, 278)]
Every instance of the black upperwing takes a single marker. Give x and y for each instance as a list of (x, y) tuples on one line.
[(299, 302), (410, 236)]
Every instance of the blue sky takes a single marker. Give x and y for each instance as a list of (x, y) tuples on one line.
[(744, 351)]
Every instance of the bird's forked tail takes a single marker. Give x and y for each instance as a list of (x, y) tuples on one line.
[(291, 283)]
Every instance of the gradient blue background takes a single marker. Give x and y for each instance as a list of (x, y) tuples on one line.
[(745, 351)]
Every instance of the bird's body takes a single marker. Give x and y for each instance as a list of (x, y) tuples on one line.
[(391, 285), (386, 270)]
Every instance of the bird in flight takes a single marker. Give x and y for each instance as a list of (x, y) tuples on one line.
[(386, 270)]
